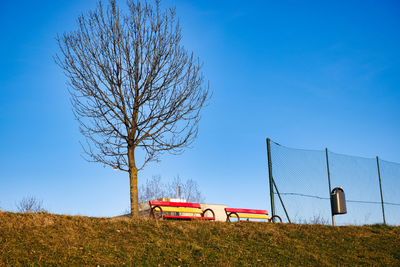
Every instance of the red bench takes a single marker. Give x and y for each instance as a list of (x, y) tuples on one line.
[(173, 210), (249, 214)]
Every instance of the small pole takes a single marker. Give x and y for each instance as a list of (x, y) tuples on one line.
[(283, 205), (271, 186), (329, 182), (380, 188), (179, 192)]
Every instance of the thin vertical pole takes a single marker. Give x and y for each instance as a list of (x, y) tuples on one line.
[(271, 186), (380, 188), (329, 182)]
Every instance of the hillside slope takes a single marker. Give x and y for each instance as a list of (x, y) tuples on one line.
[(48, 239)]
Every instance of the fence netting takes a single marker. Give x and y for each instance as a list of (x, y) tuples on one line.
[(301, 177), (390, 175)]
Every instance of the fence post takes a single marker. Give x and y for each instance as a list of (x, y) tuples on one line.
[(329, 182), (380, 188), (271, 186)]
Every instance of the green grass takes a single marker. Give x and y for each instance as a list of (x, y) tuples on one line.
[(48, 239)]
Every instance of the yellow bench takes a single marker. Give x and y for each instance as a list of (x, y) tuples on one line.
[(179, 207), (249, 214)]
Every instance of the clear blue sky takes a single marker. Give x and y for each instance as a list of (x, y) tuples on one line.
[(307, 74)]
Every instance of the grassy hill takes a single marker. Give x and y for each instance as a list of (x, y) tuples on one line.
[(48, 239)]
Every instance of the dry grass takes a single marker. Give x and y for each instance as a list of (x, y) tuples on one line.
[(47, 239)]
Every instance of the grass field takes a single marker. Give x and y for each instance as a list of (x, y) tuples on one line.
[(48, 239)]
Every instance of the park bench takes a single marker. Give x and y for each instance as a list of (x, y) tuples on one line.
[(173, 210), (249, 214)]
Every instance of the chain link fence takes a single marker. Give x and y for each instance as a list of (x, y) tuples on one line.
[(304, 178)]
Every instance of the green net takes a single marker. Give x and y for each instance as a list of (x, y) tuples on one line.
[(359, 179), (301, 177), (390, 176)]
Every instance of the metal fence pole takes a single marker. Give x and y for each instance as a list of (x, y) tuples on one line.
[(329, 182), (280, 198), (271, 186), (380, 188)]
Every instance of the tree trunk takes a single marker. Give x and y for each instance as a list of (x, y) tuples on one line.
[(133, 183)]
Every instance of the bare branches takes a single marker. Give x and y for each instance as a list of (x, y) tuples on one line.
[(30, 204), (188, 190), (132, 83), (154, 188)]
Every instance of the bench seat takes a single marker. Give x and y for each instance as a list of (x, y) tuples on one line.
[(187, 217), (180, 210), (249, 214)]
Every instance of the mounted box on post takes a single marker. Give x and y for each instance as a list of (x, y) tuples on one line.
[(338, 201)]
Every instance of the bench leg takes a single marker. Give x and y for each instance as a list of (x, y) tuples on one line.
[(232, 213), (204, 213), (275, 217), (153, 212)]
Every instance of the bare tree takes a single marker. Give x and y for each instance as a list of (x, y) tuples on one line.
[(30, 204), (135, 89), (188, 190), (154, 188)]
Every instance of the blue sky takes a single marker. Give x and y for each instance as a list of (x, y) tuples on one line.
[(306, 74)]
